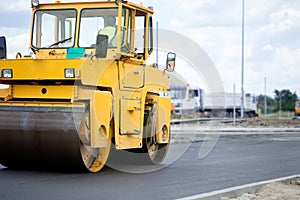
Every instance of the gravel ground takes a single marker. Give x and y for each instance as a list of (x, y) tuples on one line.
[(273, 191), (261, 122), (252, 122)]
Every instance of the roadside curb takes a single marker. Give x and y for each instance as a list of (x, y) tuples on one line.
[(260, 129), (223, 130), (239, 190)]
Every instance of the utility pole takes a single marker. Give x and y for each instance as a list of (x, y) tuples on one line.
[(242, 80), (265, 100), (234, 107), (280, 100), (157, 43)]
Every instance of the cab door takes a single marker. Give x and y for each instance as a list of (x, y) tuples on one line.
[(190, 102)]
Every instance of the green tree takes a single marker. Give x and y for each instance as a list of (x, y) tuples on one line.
[(261, 103), (286, 99)]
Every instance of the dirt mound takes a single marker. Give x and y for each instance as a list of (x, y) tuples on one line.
[(262, 122)]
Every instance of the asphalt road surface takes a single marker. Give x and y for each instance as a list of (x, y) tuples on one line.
[(234, 160)]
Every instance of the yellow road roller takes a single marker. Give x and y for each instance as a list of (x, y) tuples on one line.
[(297, 109), (85, 88)]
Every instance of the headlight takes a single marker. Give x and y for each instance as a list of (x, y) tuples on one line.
[(69, 73), (7, 73)]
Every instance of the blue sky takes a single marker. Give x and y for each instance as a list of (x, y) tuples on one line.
[(272, 28)]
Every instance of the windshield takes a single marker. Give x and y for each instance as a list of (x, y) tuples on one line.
[(177, 93), (98, 21), (104, 21), (54, 28)]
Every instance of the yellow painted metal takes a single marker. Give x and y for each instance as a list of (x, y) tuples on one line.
[(119, 32), (43, 104), (102, 72), (140, 7), (130, 120), (5, 93), (81, 5), (51, 54), (132, 75), (37, 70), (100, 118), (100, 113), (42, 92), (129, 81), (156, 80), (128, 117), (297, 108), (163, 120), (147, 36), (132, 32)]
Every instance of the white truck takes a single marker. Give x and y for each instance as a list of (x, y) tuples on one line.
[(187, 99)]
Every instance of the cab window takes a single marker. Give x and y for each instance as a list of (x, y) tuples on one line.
[(126, 31), (139, 34), (98, 21), (54, 28)]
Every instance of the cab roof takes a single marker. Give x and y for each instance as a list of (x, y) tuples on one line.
[(98, 4)]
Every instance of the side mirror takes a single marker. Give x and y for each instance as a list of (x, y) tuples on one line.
[(2, 47), (171, 57), (101, 46)]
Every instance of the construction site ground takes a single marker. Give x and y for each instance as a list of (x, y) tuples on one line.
[(276, 190), (289, 190), (263, 122)]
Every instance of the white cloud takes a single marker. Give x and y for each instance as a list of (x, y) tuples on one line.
[(283, 19), (286, 57), (18, 5), (176, 24), (282, 70), (267, 47), (191, 5), (17, 40), (257, 11)]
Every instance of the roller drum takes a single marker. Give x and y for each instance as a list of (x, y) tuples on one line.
[(40, 138)]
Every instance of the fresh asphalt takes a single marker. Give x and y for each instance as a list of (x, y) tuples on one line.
[(236, 159)]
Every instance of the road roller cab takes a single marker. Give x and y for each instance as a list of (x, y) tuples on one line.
[(85, 89)]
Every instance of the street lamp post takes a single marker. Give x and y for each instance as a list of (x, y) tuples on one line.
[(280, 100), (265, 99), (242, 79)]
